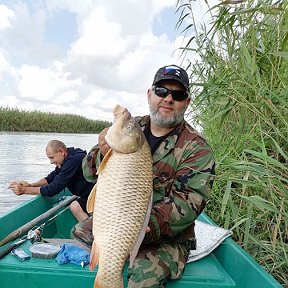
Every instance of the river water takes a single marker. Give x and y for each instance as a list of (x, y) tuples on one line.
[(23, 157)]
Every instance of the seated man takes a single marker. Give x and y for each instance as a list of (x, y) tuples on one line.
[(183, 168), (68, 173)]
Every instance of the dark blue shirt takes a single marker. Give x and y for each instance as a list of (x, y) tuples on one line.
[(70, 175)]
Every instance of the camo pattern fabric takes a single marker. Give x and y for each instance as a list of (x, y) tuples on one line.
[(82, 231), (155, 264), (184, 171)]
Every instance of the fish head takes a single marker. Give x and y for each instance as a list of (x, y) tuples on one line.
[(125, 135)]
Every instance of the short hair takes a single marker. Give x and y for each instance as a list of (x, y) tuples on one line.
[(55, 145)]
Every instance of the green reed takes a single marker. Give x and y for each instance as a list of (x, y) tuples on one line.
[(239, 68), (15, 120)]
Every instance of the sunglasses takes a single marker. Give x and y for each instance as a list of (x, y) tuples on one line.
[(163, 92)]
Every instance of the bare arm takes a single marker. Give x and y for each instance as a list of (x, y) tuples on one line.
[(39, 183)]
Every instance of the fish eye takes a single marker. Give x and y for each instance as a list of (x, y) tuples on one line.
[(129, 127)]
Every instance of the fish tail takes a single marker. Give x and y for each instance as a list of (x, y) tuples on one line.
[(94, 259), (97, 284)]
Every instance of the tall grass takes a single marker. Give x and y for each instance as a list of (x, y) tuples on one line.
[(239, 70), (16, 120)]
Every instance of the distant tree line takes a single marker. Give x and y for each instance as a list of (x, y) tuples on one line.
[(13, 119)]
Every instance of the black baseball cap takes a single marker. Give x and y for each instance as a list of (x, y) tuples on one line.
[(172, 72)]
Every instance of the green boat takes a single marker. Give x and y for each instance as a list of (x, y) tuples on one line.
[(227, 266)]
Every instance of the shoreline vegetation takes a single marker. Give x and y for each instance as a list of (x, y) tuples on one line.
[(15, 120), (239, 69)]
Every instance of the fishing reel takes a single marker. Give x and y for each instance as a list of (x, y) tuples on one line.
[(34, 235)]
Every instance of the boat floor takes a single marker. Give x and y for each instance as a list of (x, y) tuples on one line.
[(227, 266), (35, 272)]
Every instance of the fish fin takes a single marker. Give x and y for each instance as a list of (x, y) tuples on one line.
[(94, 259), (104, 161), (91, 200), (138, 242), (97, 283)]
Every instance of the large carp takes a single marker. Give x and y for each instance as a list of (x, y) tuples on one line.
[(121, 200)]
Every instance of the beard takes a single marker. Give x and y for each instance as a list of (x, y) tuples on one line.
[(168, 122)]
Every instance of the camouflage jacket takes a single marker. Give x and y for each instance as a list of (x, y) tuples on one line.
[(183, 168)]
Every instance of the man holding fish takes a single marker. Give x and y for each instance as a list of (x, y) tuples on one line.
[(182, 176)]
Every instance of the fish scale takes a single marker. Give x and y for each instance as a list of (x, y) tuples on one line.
[(123, 192)]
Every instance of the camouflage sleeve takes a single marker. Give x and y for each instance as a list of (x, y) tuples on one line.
[(91, 163), (186, 197)]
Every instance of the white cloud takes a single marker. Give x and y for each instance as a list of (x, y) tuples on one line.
[(112, 59), (4, 63), (100, 37), (6, 15)]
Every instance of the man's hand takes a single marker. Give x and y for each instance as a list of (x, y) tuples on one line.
[(103, 146), (24, 183), (17, 187)]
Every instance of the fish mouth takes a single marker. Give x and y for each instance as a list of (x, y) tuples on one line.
[(120, 114), (119, 111), (116, 108), (125, 135)]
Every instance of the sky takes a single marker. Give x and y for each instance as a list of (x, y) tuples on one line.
[(84, 57)]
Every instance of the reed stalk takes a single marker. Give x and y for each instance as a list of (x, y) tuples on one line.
[(239, 69)]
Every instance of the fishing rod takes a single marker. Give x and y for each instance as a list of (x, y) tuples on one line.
[(29, 225), (33, 235)]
